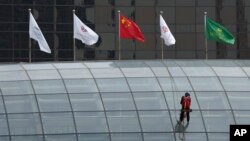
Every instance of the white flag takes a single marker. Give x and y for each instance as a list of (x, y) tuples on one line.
[(83, 32), (166, 34), (36, 34)]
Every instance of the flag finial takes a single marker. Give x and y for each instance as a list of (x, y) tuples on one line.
[(161, 12), (205, 13), (118, 11), (29, 10), (73, 11)]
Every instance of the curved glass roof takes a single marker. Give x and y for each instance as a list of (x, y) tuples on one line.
[(122, 100)]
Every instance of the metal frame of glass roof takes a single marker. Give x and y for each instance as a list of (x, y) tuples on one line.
[(135, 100)]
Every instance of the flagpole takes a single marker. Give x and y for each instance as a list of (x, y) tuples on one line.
[(74, 42), (205, 24), (162, 54), (29, 40), (119, 40)]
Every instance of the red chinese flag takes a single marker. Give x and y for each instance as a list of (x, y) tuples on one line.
[(130, 30)]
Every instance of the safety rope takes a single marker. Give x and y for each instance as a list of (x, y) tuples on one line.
[(174, 89), (175, 98)]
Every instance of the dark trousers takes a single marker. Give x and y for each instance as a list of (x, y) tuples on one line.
[(182, 115)]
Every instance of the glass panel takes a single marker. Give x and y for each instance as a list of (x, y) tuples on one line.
[(86, 102), (206, 84), (191, 64), (155, 121), (112, 85), (243, 63), (60, 137), (54, 123), (56, 103), (198, 71), (242, 117), (26, 138), (106, 73), (218, 136), (247, 70), (81, 85), (150, 101), (167, 84), (176, 71), (4, 127), (174, 98), (123, 121), (93, 137), (212, 100), (196, 123), (236, 84), (214, 118), (194, 137), (239, 100), (175, 84), (170, 63), (118, 101), (69, 65), (1, 105), (20, 104), (221, 63), (158, 137), (13, 75), (229, 71), (131, 64), (91, 122), (9, 67), (155, 64), (16, 87), (160, 71), (126, 137), (38, 66), (75, 73), (105, 64), (48, 86), (4, 139), (137, 72), (43, 74), (24, 124), (144, 84)]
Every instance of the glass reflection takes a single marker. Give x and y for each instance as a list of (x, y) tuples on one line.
[(20, 104), (86, 102), (30, 122), (4, 127), (150, 101), (155, 121), (58, 123), (91, 122), (48, 86), (123, 121), (214, 118), (118, 101)]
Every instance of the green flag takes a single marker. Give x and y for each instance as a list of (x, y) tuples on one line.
[(216, 32)]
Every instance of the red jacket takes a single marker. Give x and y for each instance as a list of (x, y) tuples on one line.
[(186, 102)]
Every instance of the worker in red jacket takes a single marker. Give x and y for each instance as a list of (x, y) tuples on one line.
[(185, 104)]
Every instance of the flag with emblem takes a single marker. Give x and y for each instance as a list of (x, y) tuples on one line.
[(130, 30), (216, 32), (166, 34), (36, 34), (84, 33)]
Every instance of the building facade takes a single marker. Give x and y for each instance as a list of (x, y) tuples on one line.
[(184, 17)]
